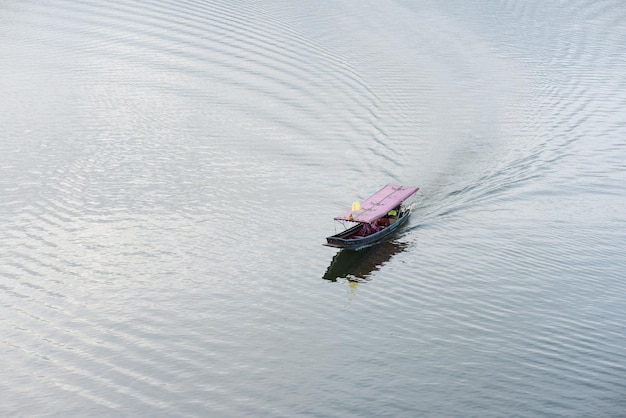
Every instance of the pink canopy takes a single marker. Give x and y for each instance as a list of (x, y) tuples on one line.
[(379, 204)]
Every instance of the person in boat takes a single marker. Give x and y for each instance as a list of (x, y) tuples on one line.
[(369, 229), (391, 216)]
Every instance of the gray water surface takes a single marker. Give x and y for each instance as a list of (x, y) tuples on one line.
[(169, 170)]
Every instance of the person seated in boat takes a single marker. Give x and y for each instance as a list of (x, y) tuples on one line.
[(369, 229), (392, 215)]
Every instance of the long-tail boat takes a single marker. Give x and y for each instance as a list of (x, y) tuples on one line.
[(376, 218)]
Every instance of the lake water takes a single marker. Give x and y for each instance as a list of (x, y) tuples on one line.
[(170, 169)]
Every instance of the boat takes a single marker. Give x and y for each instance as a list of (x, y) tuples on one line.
[(376, 218)]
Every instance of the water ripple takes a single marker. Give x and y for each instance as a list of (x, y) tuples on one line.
[(172, 166)]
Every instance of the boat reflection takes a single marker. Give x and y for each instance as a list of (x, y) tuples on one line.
[(357, 266)]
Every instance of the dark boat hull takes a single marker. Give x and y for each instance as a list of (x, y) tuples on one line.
[(350, 240)]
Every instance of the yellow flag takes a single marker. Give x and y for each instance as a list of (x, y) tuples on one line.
[(356, 206)]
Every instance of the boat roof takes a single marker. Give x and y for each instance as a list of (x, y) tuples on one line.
[(379, 204)]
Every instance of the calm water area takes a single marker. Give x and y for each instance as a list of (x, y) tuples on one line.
[(169, 171)]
